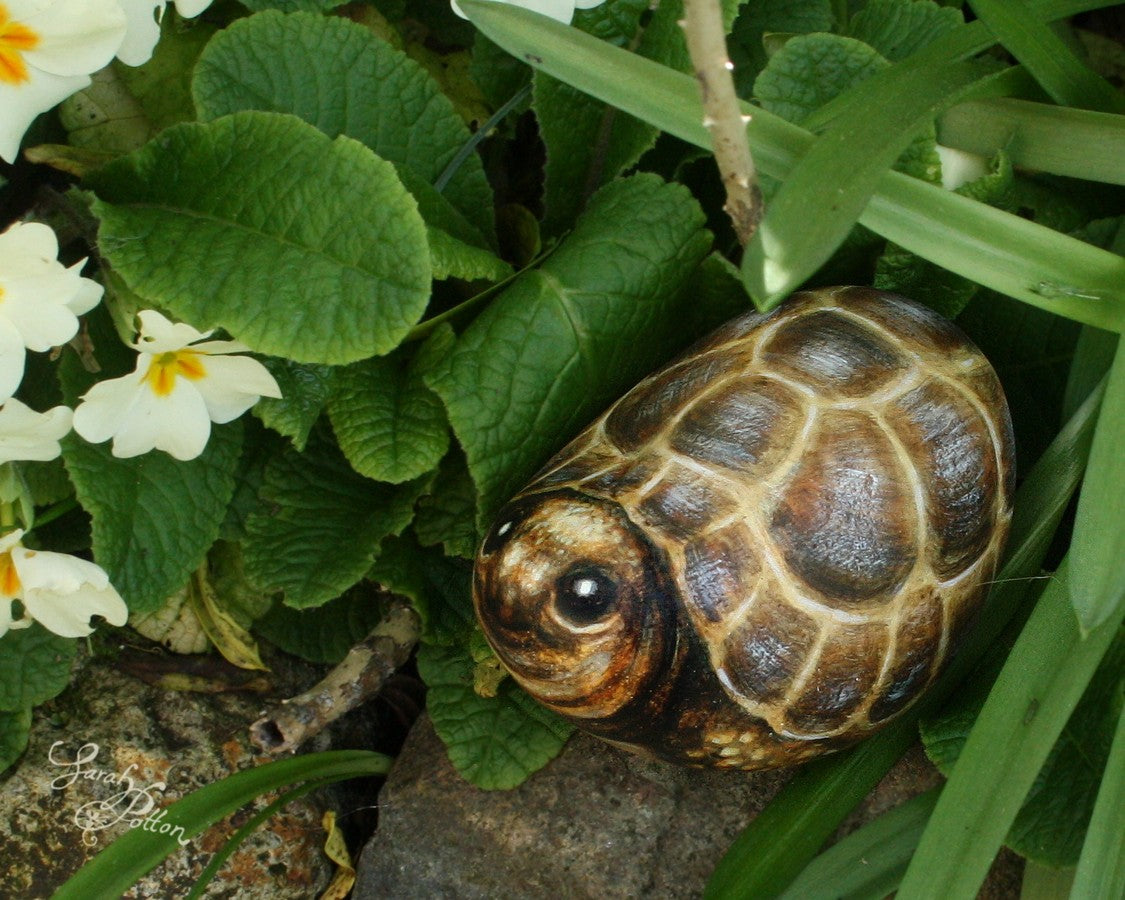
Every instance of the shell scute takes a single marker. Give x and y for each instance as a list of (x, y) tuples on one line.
[(848, 667), (683, 502), (846, 523), (834, 354), (747, 424), (720, 572), (917, 638), (767, 651)]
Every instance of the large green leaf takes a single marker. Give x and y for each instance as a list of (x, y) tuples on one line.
[(336, 75), (390, 426), (305, 389), (243, 221), (564, 340), (900, 28), (756, 20), (34, 667), (15, 728), (319, 524), (494, 742), (325, 634)]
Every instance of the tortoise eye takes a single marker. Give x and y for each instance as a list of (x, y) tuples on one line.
[(585, 595)]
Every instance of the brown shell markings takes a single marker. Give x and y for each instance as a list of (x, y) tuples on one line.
[(767, 549)]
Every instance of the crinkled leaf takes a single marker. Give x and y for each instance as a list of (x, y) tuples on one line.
[(15, 729), (336, 75), (319, 524), (552, 350), (105, 118), (452, 258), (762, 17), (234, 642), (390, 426), (1051, 824), (292, 5), (325, 634), (34, 667), (447, 514), (47, 481), (174, 624), (494, 742), (898, 28), (265, 209), (305, 389)]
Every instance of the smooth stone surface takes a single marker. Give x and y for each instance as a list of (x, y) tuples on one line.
[(596, 822)]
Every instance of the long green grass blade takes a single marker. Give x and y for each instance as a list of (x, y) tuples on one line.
[(1034, 695), (774, 848), (1101, 867), (1067, 80), (1042, 882), (1057, 139), (827, 191), (1097, 580), (1009, 254), (869, 863), (122, 863)]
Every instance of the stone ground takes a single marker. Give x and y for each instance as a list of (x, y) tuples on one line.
[(596, 823)]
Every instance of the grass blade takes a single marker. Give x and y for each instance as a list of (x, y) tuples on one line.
[(1101, 867), (1097, 581), (1058, 139), (868, 864), (1002, 251), (805, 224), (122, 863), (1034, 695), (774, 848), (1063, 75)]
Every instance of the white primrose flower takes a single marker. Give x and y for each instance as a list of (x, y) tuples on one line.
[(28, 435), (177, 390), (143, 30), (57, 590), (40, 299), (560, 10), (48, 48)]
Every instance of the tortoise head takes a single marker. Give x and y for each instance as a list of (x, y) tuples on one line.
[(576, 602)]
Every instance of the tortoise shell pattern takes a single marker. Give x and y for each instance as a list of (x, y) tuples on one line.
[(794, 522)]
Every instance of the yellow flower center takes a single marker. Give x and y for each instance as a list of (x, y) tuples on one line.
[(15, 40), (161, 375), (9, 580)]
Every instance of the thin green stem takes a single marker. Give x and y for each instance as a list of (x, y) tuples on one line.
[(56, 510), (481, 133)]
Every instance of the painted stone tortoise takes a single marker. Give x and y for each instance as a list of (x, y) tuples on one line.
[(767, 549)]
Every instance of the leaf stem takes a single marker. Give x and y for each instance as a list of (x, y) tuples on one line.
[(481, 133), (55, 511), (722, 115)]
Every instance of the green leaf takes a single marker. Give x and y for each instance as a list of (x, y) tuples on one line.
[(1051, 823), (1039, 136), (902, 272), (390, 426), (153, 517), (292, 5), (120, 865), (438, 587), (900, 28), (762, 17), (1034, 696), (305, 389), (447, 514), (338, 76), (318, 524), (266, 209), (1047, 57), (494, 742), (869, 862), (560, 343), (1097, 581), (804, 224), (15, 729), (452, 258), (325, 634), (34, 667), (1101, 867), (996, 249), (1093, 355)]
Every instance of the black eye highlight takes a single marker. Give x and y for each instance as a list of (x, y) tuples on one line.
[(585, 595)]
